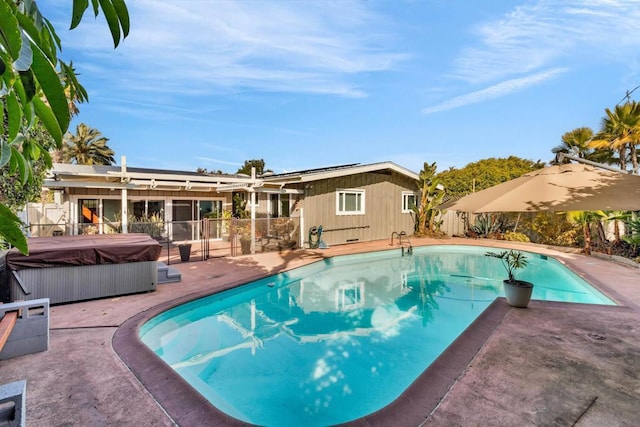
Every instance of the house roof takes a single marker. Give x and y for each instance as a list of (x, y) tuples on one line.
[(101, 176), (337, 171)]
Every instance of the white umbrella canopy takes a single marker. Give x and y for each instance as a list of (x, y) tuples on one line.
[(568, 187)]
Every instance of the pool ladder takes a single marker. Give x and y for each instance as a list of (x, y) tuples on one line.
[(403, 241)]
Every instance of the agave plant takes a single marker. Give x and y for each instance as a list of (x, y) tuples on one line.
[(486, 225)]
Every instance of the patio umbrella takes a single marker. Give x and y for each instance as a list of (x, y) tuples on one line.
[(568, 187)]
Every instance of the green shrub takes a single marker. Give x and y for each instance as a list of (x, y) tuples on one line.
[(515, 237), (553, 229)]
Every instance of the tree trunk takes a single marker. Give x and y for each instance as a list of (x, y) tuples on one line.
[(622, 152), (602, 236), (586, 231)]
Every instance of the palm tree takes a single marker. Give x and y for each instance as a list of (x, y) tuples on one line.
[(584, 219), (621, 132), (87, 147), (73, 90), (575, 143), (616, 217)]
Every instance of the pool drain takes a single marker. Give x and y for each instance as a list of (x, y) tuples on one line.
[(596, 337)]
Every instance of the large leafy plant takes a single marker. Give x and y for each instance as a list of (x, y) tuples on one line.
[(34, 82), (432, 192)]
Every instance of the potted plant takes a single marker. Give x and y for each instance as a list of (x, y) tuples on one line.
[(517, 292), (243, 231), (185, 251), (245, 244)]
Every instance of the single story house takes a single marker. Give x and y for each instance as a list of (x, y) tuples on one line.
[(351, 202)]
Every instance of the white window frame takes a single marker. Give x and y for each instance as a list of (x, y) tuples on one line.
[(341, 193), (405, 200), (349, 296), (280, 213)]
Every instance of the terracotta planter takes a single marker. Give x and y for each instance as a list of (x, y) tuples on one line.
[(245, 246), (518, 292)]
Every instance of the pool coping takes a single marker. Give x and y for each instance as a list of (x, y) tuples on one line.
[(185, 406)]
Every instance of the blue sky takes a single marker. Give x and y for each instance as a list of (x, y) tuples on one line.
[(306, 84)]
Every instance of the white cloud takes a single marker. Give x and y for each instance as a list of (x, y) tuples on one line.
[(203, 47), (210, 160), (544, 35), (495, 91), (538, 35)]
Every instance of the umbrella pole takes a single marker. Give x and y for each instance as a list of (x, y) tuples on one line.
[(517, 221)]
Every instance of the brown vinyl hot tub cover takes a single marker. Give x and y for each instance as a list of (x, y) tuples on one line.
[(85, 250)]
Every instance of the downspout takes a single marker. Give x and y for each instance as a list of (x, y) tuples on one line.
[(123, 192), (253, 210), (301, 228)]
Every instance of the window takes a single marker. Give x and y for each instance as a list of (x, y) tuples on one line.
[(409, 200), (285, 205), (211, 208), (146, 208), (279, 205), (88, 211), (350, 296), (350, 202), (155, 207)]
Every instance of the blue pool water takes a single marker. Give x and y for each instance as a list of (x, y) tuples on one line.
[(339, 339)]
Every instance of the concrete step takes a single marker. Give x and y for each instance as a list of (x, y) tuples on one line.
[(167, 274)]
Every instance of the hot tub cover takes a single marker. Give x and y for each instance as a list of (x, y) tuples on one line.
[(85, 250)]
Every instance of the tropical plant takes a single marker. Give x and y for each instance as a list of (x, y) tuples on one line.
[(34, 82), (512, 261), (575, 143), (633, 226), (240, 207), (585, 219), (15, 193), (616, 217), (487, 225), (87, 147), (425, 213), (620, 131)]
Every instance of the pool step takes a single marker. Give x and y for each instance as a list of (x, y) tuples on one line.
[(167, 274)]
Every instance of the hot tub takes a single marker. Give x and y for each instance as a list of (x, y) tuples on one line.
[(76, 268)]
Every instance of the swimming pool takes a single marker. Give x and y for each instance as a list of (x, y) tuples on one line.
[(338, 339)]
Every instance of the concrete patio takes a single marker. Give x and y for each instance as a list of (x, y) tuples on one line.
[(550, 364)]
